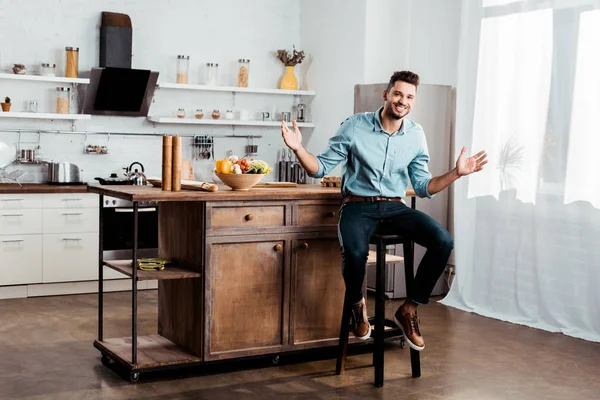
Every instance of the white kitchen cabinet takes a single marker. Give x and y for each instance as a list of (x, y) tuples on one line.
[(20, 222), (20, 201), (70, 257), (71, 200), (57, 220), (20, 259)]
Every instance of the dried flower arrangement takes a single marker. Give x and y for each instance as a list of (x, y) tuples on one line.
[(290, 60)]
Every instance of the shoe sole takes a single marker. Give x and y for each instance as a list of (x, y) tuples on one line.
[(368, 335), (410, 344)]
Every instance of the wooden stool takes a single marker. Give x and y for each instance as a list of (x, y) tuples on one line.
[(380, 322)]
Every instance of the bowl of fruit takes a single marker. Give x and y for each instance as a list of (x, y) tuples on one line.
[(241, 174)]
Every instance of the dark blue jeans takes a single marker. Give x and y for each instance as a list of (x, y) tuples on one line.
[(360, 220)]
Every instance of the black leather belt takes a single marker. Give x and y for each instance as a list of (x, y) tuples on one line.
[(352, 198)]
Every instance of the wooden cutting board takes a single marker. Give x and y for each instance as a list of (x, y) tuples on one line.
[(276, 185)]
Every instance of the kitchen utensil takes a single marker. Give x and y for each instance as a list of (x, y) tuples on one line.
[(8, 154), (136, 177), (114, 179), (188, 185), (301, 117), (64, 172), (286, 116), (295, 170), (281, 167), (288, 166), (275, 185), (265, 115)]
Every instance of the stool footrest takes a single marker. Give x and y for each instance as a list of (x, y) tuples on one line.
[(391, 330)]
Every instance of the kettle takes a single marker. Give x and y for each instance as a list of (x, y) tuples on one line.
[(135, 177)]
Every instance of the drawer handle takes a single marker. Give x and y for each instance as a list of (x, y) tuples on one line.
[(13, 199), (330, 214), (278, 247), (72, 239), (12, 215), (71, 199), (72, 214), (249, 217), (304, 245), (130, 210), (13, 241)]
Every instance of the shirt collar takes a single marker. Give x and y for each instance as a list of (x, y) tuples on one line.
[(377, 123)]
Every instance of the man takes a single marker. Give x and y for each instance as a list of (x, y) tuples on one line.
[(382, 150)]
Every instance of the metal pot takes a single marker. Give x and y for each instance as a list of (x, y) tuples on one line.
[(63, 172)]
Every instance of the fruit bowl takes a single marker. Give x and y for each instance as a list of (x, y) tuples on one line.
[(240, 181)]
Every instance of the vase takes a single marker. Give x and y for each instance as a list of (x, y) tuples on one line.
[(289, 81)]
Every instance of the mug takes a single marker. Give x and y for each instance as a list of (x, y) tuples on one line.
[(244, 115), (265, 115)]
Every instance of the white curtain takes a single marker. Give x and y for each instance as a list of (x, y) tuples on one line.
[(527, 228)]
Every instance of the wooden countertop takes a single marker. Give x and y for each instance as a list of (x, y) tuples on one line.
[(155, 194), (10, 188)]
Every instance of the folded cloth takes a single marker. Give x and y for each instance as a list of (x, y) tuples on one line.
[(149, 264)]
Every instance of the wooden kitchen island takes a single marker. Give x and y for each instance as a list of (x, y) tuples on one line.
[(253, 273)]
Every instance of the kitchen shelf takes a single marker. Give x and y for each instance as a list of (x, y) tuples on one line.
[(170, 272), (208, 121), (183, 86), (30, 115), (39, 78)]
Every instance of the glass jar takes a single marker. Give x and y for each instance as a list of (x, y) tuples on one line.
[(48, 69), (32, 106), (63, 103), (199, 114), (228, 114), (72, 67), (183, 65), (216, 114), (243, 72), (180, 113), (212, 74)]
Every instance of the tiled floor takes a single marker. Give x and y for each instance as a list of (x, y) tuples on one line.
[(46, 352)]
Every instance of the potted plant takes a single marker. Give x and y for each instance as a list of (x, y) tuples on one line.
[(289, 80), (6, 104)]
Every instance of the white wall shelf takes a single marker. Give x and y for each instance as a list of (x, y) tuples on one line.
[(39, 78), (235, 89), (30, 115), (230, 122)]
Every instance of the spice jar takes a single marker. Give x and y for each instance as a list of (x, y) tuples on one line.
[(199, 114), (181, 113), (183, 64), (48, 69), (72, 68), (212, 74), (243, 73), (216, 114), (62, 100)]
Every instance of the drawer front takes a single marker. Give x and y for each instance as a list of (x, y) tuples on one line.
[(70, 257), (318, 214), (19, 222), (71, 200), (20, 259), (247, 217), (20, 201), (75, 220)]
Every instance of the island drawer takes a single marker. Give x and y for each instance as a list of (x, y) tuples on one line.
[(245, 216), (315, 214)]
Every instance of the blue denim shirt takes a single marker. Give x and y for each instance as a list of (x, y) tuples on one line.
[(377, 163)]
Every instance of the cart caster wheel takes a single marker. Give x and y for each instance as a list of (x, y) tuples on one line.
[(105, 360), (275, 360), (134, 376)]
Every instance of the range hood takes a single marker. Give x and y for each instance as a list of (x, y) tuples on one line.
[(122, 92)]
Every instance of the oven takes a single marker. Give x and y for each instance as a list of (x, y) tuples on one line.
[(117, 229)]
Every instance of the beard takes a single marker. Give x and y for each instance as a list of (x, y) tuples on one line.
[(392, 113)]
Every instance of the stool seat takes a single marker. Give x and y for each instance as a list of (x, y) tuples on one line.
[(389, 258), (386, 239)]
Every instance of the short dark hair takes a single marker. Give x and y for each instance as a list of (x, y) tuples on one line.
[(404, 76)]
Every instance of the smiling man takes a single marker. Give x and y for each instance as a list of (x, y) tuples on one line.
[(382, 150)]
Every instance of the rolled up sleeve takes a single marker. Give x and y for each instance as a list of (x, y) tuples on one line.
[(337, 149), (419, 173)]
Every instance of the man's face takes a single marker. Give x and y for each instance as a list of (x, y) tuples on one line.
[(400, 99)]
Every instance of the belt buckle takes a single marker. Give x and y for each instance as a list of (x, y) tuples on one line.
[(371, 199)]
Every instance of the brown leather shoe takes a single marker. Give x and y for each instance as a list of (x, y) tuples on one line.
[(409, 325), (359, 321)]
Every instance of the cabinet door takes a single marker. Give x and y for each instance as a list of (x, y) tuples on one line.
[(20, 259), (245, 297), (70, 257), (317, 295)]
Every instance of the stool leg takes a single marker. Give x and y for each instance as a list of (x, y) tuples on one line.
[(378, 354), (343, 340), (409, 275)]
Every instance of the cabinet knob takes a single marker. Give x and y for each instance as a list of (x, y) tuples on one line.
[(249, 217), (278, 247), (304, 245), (330, 214)]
